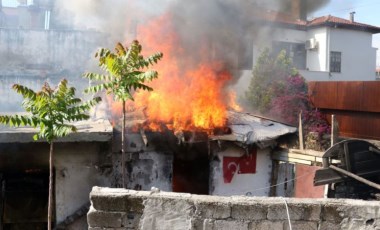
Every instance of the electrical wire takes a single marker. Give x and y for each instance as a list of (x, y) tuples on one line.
[(294, 179)]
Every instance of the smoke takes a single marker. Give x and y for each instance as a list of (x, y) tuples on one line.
[(313, 5), (117, 18), (217, 17), (227, 28)]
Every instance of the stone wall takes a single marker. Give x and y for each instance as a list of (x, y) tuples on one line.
[(127, 209)]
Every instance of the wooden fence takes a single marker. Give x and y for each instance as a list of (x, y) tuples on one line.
[(355, 104)]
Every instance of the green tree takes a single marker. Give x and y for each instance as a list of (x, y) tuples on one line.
[(125, 71), (50, 110), (269, 75), (277, 90)]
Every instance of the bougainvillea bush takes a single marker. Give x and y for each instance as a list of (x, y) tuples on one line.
[(278, 91)]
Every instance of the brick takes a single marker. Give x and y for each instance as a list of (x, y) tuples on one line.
[(104, 219)]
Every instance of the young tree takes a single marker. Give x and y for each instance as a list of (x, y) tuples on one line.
[(269, 76), (126, 71), (50, 110)]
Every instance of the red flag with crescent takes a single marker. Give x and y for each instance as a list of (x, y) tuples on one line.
[(245, 164)]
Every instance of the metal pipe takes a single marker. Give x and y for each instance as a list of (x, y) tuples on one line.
[(356, 177)]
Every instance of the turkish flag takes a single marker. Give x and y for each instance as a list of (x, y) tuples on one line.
[(239, 165)]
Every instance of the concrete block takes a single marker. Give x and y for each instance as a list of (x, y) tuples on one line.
[(212, 209), (266, 225), (230, 224), (331, 213), (200, 224), (98, 228), (250, 211), (301, 225), (304, 211), (163, 213), (104, 219), (326, 225), (117, 202), (296, 211), (353, 223), (131, 220), (278, 212)]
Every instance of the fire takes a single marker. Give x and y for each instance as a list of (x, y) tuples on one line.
[(190, 92)]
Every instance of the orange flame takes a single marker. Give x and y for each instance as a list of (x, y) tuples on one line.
[(190, 92)]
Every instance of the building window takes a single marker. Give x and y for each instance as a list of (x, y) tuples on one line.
[(335, 62), (295, 51)]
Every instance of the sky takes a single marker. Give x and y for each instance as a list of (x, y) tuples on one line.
[(367, 11)]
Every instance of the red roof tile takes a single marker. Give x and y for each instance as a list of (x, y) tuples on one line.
[(336, 22), (331, 21)]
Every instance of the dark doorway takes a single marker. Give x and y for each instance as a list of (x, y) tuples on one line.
[(25, 200), (191, 168)]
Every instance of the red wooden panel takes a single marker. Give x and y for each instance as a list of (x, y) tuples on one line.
[(323, 94), (355, 104), (357, 124), (304, 188), (371, 96), (349, 95)]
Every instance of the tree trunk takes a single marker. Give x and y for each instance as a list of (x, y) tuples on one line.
[(123, 147), (50, 201)]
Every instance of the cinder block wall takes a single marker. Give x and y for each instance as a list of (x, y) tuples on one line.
[(114, 209)]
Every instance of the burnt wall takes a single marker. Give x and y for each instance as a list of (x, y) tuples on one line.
[(128, 209), (147, 165)]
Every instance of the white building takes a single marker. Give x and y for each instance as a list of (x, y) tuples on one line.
[(340, 50), (326, 48)]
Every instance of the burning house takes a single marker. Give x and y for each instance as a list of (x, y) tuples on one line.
[(188, 135), (228, 160)]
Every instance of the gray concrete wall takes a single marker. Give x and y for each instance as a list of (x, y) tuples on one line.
[(128, 209), (31, 57)]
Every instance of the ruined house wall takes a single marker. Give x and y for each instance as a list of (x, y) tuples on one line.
[(127, 209), (78, 167), (147, 166)]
